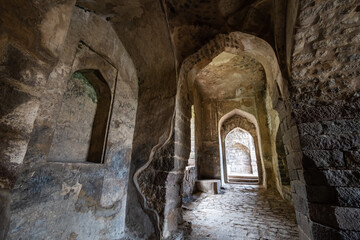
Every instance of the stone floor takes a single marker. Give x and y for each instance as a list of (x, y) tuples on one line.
[(241, 212)]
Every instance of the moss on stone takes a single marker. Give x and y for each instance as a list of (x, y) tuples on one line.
[(89, 89)]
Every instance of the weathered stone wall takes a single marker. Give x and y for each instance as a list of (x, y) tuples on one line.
[(188, 184), (142, 28), (85, 200), (325, 101), (198, 124), (192, 155), (238, 159), (287, 135), (27, 57)]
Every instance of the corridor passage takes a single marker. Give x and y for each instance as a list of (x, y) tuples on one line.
[(241, 212)]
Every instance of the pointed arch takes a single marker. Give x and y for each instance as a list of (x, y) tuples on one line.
[(254, 132)]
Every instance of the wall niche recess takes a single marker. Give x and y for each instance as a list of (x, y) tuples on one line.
[(83, 120)]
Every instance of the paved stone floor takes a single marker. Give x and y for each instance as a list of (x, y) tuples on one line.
[(241, 212)]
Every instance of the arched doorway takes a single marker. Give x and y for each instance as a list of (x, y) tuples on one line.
[(240, 156), (241, 125)]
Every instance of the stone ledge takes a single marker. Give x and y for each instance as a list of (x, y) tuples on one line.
[(208, 186)]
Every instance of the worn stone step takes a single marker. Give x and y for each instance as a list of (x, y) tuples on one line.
[(247, 179)]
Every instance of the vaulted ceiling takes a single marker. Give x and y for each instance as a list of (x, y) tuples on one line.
[(194, 23), (191, 23), (229, 76)]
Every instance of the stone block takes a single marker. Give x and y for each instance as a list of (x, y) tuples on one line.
[(349, 235), (323, 158), (295, 144), (299, 188), (190, 175), (346, 218), (348, 196), (294, 160), (315, 177), (344, 178), (352, 158), (293, 175), (304, 223), (208, 186), (300, 204), (287, 136), (323, 214), (342, 126), (302, 235), (320, 232), (4, 212), (340, 141), (320, 194), (310, 128), (306, 113)]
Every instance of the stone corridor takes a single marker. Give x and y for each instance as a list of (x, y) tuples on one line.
[(241, 212), (114, 111)]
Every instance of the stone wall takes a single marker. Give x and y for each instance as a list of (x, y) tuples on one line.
[(142, 28), (325, 100), (27, 56), (238, 160), (326, 105), (188, 184), (86, 200)]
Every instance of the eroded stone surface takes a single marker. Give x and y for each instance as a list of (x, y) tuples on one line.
[(85, 200), (188, 184)]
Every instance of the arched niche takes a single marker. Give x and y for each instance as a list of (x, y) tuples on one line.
[(82, 123)]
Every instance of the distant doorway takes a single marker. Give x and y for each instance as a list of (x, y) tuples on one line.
[(240, 155)]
